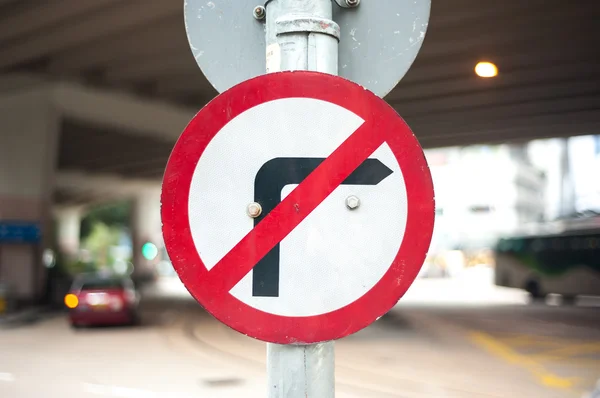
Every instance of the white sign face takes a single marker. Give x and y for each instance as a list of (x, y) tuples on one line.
[(336, 254), (297, 207)]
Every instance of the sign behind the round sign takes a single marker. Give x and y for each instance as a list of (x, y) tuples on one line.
[(379, 40), (345, 204)]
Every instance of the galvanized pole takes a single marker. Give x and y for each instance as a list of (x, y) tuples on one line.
[(299, 371), (301, 35)]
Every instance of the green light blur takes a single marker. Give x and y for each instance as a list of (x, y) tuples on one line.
[(149, 251)]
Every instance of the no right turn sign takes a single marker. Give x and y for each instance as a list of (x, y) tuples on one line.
[(297, 207)]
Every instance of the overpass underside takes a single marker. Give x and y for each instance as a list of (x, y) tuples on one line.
[(93, 95)]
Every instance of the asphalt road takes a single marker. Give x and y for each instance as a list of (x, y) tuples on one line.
[(444, 340)]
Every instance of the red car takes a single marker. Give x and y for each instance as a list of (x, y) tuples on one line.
[(96, 300)]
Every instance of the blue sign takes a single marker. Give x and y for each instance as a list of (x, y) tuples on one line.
[(19, 232)]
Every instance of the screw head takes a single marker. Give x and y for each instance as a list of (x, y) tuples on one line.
[(352, 3), (352, 202), (259, 12), (254, 210)]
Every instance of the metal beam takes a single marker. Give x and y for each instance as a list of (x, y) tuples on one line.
[(142, 160), (548, 97), (493, 32), (31, 17), (118, 17), (184, 84), (132, 114), (444, 15), (117, 157), (180, 62), (126, 45), (468, 82), (20, 82), (509, 58), (64, 199), (509, 135), (102, 184), (576, 122)]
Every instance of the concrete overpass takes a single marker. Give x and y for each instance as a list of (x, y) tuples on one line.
[(93, 95)]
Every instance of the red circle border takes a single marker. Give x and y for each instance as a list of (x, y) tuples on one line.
[(310, 329)]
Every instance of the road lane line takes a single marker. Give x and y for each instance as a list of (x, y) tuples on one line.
[(505, 352), (570, 361), (524, 340), (572, 350)]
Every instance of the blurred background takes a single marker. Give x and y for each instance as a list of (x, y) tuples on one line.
[(505, 99)]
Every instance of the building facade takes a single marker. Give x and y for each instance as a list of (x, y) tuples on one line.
[(482, 193)]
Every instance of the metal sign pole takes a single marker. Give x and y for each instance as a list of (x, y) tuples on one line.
[(300, 35), (298, 371)]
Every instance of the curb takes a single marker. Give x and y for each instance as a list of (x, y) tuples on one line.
[(26, 317)]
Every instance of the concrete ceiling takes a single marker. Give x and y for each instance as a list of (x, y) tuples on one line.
[(546, 50), (111, 152)]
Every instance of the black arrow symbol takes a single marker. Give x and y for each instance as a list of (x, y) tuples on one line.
[(270, 180)]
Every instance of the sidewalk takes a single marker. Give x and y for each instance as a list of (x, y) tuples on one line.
[(26, 316), (595, 393)]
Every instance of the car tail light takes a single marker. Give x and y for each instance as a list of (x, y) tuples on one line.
[(94, 299)]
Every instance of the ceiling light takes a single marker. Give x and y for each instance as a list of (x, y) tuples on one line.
[(486, 69)]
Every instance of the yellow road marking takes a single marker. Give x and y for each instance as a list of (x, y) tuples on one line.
[(572, 350), (505, 352), (530, 341), (578, 362)]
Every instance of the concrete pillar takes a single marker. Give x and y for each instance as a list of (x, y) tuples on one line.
[(146, 227), (29, 128), (567, 196), (68, 229)]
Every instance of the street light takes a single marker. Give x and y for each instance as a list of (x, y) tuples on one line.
[(486, 69)]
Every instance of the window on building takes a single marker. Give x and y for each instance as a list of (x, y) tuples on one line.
[(481, 209)]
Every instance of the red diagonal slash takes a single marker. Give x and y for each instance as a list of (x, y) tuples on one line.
[(296, 207)]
